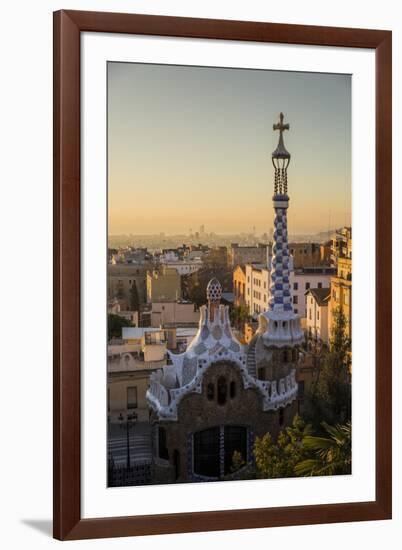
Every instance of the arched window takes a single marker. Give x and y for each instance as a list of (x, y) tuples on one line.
[(232, 389), (222, 390), (210, 392)]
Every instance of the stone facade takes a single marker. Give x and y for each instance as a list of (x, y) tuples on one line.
[(197, 412)]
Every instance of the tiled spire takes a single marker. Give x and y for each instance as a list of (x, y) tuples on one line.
[(280, 298)]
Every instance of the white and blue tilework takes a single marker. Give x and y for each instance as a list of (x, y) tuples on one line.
[(280, 296)]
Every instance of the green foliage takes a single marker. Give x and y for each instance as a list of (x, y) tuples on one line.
[(299, 452), (329, 398), (237, 461), (331, 455), (114, 325), (278, 459), (239, 315)]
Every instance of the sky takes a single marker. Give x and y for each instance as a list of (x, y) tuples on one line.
[(192, 145)]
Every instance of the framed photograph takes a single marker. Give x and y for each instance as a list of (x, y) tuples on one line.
[(212, 182)]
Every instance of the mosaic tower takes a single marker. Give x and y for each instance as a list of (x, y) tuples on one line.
[(280, 324)]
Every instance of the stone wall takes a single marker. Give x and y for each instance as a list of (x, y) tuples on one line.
[(198, 412)]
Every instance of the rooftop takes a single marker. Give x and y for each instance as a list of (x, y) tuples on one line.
[(134, 333), (321, 295)]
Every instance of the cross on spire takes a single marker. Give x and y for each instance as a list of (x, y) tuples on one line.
[(280, 126), (281, 152)]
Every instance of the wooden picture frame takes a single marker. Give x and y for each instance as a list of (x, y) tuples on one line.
[(68, 25)]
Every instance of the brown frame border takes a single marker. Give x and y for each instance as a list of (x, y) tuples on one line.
[(67, 515)]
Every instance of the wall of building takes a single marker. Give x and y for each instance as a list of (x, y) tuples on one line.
[(197, 412), (117, 394), (241, 255), (174, 313), (258, 282), (317, 319), (120, 280), (163, 285), (341, 294)]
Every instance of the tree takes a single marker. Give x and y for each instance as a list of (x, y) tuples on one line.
[(278, 459), (134, 298), (114, 325), (239, 315), (331, 455), (329, 398)]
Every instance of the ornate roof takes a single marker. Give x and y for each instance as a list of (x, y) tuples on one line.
[(214, 342)]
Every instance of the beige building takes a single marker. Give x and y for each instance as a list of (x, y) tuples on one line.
[(163, 285), (241, 255), (239, 285), (341, 294), (317, 314), (129, 367), (172, 314), (305, 254), (258, 280), (120, 279), (131, 316), (341, 244)]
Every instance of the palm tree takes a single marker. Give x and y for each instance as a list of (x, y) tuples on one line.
[(333, 454)]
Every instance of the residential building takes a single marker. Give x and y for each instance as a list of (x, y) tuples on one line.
[(121, 278), (241, 255), (183, 265), (239, 285), (163, 285), (258, 281), (341, 294), (130, 365), (114, 307), (305, 254), (317, 314), (341, 244), (173, 314)]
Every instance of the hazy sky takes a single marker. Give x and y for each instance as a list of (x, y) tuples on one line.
[(192, 145)]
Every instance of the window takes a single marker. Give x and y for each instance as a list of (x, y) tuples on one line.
[(307, 286), (319, 285), (318, 314), (210, 392), (211, 452), (207, 452), (295, 299), (132, 397), (346, 299), (296, 310), (281, 417), (232, 390), (162, 446), (261, 373), (309, 313), (222, 390), (295, 286)]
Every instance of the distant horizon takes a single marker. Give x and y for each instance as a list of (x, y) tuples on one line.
[(191, 146)]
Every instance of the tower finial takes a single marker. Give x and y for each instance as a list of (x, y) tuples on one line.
[(281, 152)]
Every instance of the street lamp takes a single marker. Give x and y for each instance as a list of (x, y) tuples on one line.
[(127, 422)]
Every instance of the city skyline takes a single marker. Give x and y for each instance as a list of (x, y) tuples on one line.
[(191, 146)]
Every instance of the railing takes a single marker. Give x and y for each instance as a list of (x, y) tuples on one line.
[(139, 473)]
